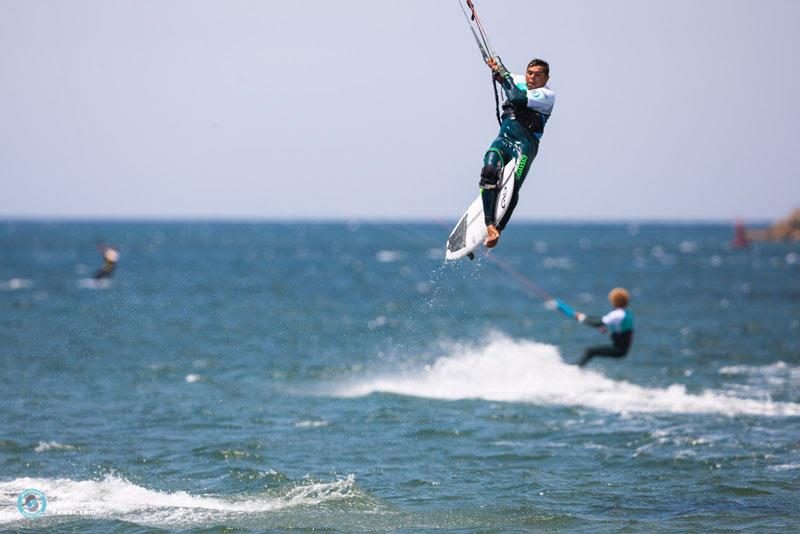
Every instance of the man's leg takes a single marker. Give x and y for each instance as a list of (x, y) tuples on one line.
[(492, 170), (527, 151), (602, 350), (511, 205)]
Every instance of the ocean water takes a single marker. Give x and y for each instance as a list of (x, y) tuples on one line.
[(343, 378)]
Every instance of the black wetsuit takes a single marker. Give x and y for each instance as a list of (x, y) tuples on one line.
[(110, 257), (525, 114), (620, 323), (106, 270)]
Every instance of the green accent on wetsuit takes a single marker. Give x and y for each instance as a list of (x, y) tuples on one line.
[(512, 141), (627, 323), (523, 159)]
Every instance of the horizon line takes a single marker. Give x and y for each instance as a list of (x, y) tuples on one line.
[(359, 220)]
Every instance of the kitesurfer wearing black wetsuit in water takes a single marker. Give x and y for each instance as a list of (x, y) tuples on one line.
[(619, 322), (110, 259), (528, 105)]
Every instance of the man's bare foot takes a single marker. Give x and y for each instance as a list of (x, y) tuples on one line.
[(493, 237)]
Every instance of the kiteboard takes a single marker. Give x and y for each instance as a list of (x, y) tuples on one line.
[(470, 232)]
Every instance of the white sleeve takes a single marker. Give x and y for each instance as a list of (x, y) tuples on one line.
[(542, 100), (614, 318), (519, 80)]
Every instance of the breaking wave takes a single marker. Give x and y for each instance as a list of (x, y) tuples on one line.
[(525, 371), (115, 498)]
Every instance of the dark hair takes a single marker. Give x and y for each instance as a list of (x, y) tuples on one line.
[(536, 62)]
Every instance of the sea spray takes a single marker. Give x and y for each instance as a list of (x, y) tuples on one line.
[(504, 369)]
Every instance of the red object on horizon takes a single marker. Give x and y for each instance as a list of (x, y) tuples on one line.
[(740, 235)]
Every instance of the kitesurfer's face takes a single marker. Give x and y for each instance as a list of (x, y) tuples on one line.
[(535, 77)]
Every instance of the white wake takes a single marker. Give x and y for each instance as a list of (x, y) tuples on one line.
[(524, 371), (115, 498)]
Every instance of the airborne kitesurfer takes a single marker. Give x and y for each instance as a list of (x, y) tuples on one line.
[(528, 105), (618, 322)]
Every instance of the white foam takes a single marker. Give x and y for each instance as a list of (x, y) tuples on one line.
[(557, 263), (388, 256), (310, 424), (778, 374), (45, 446), (93, 283), (117, 499), (16, 283), (377, 322), (779, 367), (784, 467), (525, 371)]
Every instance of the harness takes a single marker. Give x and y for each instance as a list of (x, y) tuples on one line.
[(531, 120)]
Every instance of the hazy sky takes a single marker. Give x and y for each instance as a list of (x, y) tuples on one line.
[(686, 109)]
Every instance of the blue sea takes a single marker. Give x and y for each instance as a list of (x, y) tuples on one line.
[(341, 377)]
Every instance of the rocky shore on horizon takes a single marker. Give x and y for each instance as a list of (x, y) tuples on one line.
[(787, 229)]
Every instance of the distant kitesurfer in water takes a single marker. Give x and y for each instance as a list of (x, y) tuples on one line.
[(528, 105), (110, 259), (618, 322)]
